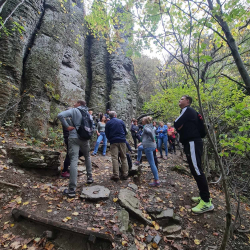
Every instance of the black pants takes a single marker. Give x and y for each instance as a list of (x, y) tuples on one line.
[(171, 141), (193, 151), (135, 138), (66, 163)]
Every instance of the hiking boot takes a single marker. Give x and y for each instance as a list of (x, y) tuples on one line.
[(203, 207), (114, 178), (71, 193), (65, 174), (165, 157), (93, 154), (196, 199), (90, 180), (160, 156), (124, 177), (154, 183), (137, 163)]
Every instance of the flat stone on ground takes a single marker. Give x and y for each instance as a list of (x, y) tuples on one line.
[(157, 239), (95, 193), (133, 186), (131, 204), (123, 217), (169, 213), (172, 229)]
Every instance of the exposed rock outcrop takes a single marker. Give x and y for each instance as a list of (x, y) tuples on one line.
[(13, 50), (55, 62), (36, 159)]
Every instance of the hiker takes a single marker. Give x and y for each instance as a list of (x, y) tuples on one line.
[(107, 115), (66, 164), (149, 146), (129, 159), (115, 131), (139, 156), (187, 126), (101, 136), (75, 144), (155, 129), (162, 138), (99, 117), (171, 138), (134, 132)]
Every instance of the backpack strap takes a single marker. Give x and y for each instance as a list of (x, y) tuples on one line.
[(81, 111)]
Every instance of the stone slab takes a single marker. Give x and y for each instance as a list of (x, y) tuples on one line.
[(133, 186), (95, 193), (172, 229), (123, 217), (131, 204)]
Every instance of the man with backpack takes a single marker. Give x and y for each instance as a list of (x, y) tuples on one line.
[(76, 142), (189, 126)]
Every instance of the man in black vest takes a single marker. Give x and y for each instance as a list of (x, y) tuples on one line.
[(187, 126)]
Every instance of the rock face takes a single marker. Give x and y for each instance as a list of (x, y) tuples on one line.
[(32, 158), (54, 62)]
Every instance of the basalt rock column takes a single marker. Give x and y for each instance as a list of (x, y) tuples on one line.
[(55, 69), (100, 75), (13, 50), (123, 91)]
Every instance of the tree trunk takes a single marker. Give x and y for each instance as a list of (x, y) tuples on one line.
[(233, 47), (224, 180)]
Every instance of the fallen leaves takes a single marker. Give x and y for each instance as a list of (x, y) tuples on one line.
[(156, 225), (115, 199), (197, 242), (124, 243), (66, 219)]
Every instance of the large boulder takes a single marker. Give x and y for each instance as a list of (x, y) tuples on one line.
[(34, 158)]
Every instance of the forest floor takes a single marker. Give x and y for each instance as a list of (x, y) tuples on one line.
[(42, 196)]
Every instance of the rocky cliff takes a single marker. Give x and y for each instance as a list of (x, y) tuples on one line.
[(54, 62)]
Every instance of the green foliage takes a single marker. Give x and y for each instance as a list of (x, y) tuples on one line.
[(55, 137), (52, 91), (237, 138), (15, 27)]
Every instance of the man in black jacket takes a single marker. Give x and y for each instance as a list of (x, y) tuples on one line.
[(187, 126)]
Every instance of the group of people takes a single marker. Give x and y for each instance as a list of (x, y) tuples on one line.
[(110, 128), (164, 134)]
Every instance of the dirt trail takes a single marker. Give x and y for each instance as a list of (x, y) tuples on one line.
[(42, 195)]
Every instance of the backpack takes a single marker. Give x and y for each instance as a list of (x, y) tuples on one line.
[(85, 131), (201, 126)]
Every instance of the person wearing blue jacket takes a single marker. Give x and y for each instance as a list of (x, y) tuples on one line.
[(116, 132), (162, 138)]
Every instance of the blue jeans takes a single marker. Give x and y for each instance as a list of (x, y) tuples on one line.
[(101, 137), (149, 152), (139, 152), (165, 141)]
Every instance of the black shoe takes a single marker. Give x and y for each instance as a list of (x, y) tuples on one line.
[(70, 193), (114, 178), (90, 180), (124, 177)]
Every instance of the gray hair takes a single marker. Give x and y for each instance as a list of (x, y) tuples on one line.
[(112, 114)]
